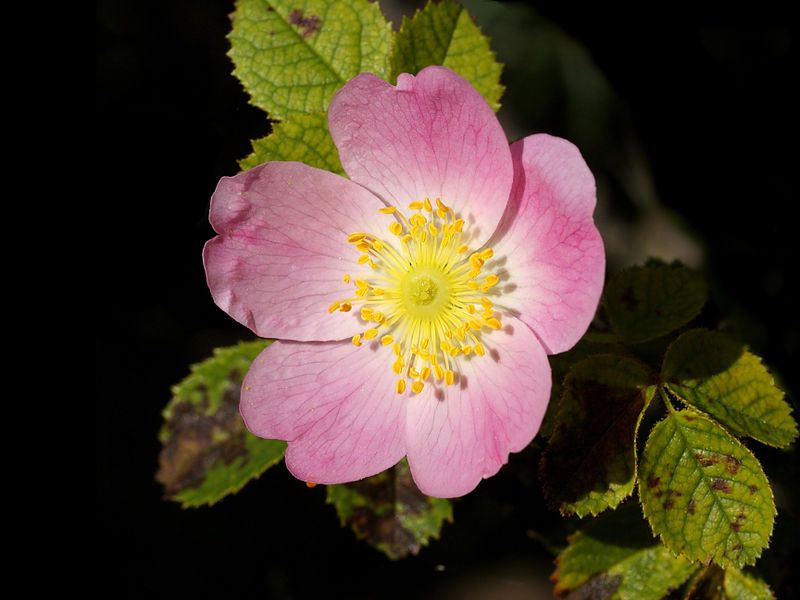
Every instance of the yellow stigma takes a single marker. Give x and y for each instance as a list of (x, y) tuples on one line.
[(422, 292)]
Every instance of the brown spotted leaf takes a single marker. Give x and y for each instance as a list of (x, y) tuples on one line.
[(704, 493), (292, 55), (207, 453), (389, 512), (590, 462), (644, 303), (712, 372), (616, 556)]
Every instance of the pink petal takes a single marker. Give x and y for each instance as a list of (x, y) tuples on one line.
[(334, 403), (278, 262), (554, 258), (466, 434), (431, 136)]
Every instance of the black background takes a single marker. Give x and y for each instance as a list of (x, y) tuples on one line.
[(717, 119)]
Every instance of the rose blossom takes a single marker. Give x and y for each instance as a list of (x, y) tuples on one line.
[(414, 305)]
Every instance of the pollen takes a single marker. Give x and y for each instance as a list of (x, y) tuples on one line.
[(422, 293)]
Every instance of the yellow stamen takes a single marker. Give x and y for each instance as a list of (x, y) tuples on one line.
[(491, 280), (421, 292)]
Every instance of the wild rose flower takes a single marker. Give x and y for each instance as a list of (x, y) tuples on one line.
[(414, 304)]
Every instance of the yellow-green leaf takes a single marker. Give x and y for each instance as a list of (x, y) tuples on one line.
[(616, 557), (292, 55), (647, 302), (304, 138), (590, 462), (744, 586), (716, 374), (389, 512), (443, 33), (207, 453), (704, 493)]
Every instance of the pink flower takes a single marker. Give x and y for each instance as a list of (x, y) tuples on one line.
[(414, 304)]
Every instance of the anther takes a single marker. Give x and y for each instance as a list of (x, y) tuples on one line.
[(416, 205), (356, 237), (334, 307), (427, 205), (401, 386), (370, 334), (396, 228), (388, 210), (417, 387), (386, 340), (449, 377), (356, 340)]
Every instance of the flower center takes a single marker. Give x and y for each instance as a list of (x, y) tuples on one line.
[(423, 293)]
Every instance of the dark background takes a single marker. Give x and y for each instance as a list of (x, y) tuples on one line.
[(711, 104)]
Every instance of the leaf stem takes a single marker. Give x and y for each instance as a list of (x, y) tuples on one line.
[(666, 399)]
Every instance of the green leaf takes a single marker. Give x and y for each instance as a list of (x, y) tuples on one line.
[(712, 372), (292, 55), (207, 453), (389, 512), (743, 586), (647, 302), (617, 557), (704, 493), (443, 33), (590, 463), (303, 138)]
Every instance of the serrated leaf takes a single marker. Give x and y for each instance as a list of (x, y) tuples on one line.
[(389, 512), (744, 586), (292, 55), (704, 493), (590, 462), (302, 138), (207, 453), (712, 372), (616, 557), (443, 33), (713, 583), (644, 303)]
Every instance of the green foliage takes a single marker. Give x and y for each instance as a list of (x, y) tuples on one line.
[(291, 56), (703, 492), (302, 138), (647, 302), (443, 33), (712, 372), (207, 453), (743, 586), (616, 557), (590, 463), (389, 512)]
